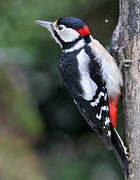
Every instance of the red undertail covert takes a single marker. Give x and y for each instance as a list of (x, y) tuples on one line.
[(113, 111)]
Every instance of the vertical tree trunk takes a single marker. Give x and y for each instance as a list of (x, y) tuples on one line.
[(126, 45)]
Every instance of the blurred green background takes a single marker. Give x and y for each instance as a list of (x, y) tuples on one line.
[(42, 135)]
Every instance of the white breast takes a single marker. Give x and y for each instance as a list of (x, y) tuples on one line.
[(88, 85)]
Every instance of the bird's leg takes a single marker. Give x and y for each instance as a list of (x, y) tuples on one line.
[(126, 62)]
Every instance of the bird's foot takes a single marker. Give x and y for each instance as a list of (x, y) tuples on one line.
[(126, 63)]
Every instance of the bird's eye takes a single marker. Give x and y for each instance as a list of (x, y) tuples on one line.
[(60, 27)]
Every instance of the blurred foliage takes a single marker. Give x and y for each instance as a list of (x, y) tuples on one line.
[(42, 135), (15, 98), (17, 159)]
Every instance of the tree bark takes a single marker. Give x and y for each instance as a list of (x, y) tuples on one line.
[(126, 45)]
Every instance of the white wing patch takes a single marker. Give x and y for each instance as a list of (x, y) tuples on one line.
[(99, 116), (96, 102), (88, 85), (107, 121), (109, 133), (105, 97)]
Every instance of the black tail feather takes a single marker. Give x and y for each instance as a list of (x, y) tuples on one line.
[(119, 150)]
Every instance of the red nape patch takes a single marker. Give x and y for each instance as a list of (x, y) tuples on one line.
[(113, 111), (83, 31)]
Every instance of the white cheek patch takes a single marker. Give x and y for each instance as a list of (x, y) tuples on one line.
[(88, 85), (68, 34)]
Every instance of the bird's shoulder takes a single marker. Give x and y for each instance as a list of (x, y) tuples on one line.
[(98, 49)]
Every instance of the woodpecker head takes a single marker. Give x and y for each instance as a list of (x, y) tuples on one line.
[(67, 31)]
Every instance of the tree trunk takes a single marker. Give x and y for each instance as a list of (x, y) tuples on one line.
[(126, 45)]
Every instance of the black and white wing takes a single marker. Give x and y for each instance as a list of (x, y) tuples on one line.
[(93, 101), (96, 114)]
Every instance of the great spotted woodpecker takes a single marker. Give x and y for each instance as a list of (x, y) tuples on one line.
[(93, 79)]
